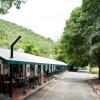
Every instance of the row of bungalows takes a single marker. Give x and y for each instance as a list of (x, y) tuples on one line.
[(25, 72)]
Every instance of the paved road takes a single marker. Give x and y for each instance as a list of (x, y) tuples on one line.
[(70, 86)]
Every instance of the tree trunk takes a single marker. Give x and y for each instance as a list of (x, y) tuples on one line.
[(99, 69), (98, 63)]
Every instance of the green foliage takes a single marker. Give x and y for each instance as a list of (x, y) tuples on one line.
[(81, 37), (94, 70), (73, 40), (5, 5), (96, 52), (58, 52), (30, 41), (36, 51)]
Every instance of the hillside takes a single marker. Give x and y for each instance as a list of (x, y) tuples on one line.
[(30, 41)]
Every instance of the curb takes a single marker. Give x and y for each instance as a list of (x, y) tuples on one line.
[(59, 76), (35, 90)]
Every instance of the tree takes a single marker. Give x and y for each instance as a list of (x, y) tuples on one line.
[(58, 52), (93, 31), (83, 26), (5, 5), (36, 51), (73, 40)]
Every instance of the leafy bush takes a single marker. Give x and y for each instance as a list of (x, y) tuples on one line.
[(94, 70)]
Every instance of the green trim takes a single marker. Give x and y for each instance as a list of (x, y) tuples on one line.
[(4, 61)]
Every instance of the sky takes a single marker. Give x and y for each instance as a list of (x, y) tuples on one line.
[(45, 17)]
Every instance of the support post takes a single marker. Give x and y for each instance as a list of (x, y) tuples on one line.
[(51, 72), (34, 83), (34, 79), (39, 68), (11, 80), (44, 67), (25, 83), (48, 72)]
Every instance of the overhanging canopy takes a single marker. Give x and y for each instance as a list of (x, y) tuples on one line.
[(25, 58)]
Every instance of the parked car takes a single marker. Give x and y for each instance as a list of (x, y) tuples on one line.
[(75, 69)]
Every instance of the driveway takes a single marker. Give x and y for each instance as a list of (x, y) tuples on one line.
[(70, 86)]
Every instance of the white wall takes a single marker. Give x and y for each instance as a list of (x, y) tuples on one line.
[(4, 68), (42, 69), (36, 70), (27, 70)]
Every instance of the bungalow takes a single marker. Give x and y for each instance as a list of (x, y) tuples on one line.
[(24, 71)]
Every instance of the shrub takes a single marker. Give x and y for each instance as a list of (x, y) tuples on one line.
[(94, 70)]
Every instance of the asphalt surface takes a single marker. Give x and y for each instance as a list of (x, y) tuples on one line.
[(70, 86)]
